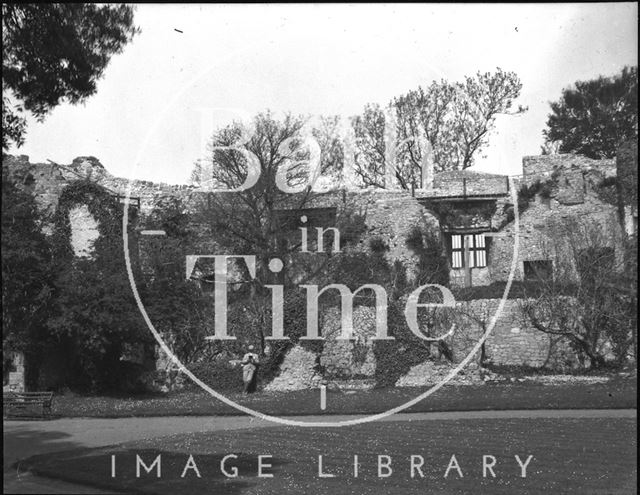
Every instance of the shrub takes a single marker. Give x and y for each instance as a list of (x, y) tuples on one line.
[(394, 358), (377, 245), (219, 374)]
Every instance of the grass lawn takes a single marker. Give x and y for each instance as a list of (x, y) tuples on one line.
[(596, 455), (616, 393)]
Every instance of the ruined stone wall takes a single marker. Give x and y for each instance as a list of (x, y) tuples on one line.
[(511, 342), (388, 215), (341, 360), (297, 372), (545, 165), (391, 216), (46, 181), (465, 183), (550, 226)]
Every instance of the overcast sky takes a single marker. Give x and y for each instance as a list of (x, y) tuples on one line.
[(324, 59)]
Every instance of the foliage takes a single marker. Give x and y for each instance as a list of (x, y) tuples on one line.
[(169, 214), (95, 318), (455, 214), (369, 159), (594, 117), (598, 307), (250, 221), (243, 320), (218, 374), (247, 221), (331, 149), (13, 124), (526, 194), (351, 225), (183, 314), (518, 290), (53, 53), (394, 358), (377, 245), (448, 123), (355, 269), (433, 266), (27, 276), (607, 190), (295, 326)]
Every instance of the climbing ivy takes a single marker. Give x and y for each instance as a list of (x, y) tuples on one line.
[(102, 205), (95, 317)]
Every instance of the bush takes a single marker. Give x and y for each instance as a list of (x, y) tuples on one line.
[(220, 375), (377, 245), (394, 358)]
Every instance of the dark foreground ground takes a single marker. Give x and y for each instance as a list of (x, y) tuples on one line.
[(615, 393), (580, 455)]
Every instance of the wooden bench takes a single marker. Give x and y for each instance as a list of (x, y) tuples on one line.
[(27, 401)]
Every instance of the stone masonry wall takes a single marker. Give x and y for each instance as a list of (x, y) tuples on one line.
[(546, 225), (297, 371), (391, 215), (512, 342), (465, 182), (388, 214)]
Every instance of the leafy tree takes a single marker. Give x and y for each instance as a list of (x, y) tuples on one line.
[(251, 221), (594, 117), (327, 135), (26, 272), (95, 320), (369, 160), (179, 309), (53, 53), (448, 123)]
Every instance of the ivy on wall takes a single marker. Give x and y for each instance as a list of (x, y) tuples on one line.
[(95, 318), (394, 358), (526, 194), (607, 190), (106, 210)]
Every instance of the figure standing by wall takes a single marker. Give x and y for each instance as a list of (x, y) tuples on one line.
[(250, 365)]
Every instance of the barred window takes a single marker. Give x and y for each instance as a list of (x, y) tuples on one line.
[(477, 250), (457, 251)]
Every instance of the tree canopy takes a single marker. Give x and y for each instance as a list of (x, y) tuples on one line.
[(450, 121), (53, 53), (594, 117), (249, 220), (27, 274)]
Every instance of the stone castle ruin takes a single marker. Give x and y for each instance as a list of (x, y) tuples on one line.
[(471, 215)]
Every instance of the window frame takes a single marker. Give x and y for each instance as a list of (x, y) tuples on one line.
[(477, 250)]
